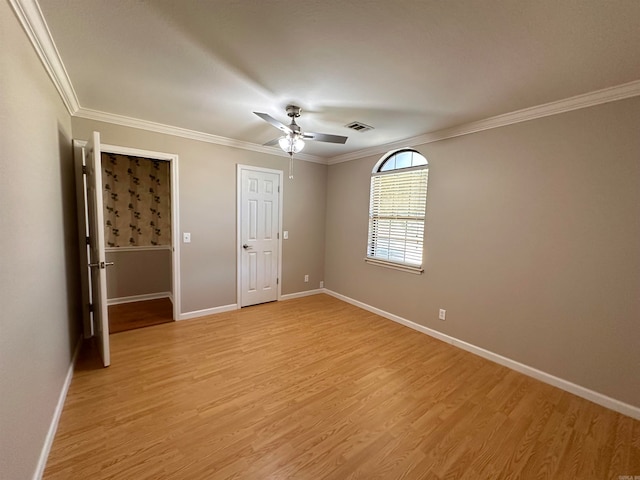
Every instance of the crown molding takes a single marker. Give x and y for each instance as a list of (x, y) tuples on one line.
[(32, 20), (30, 16), (598, 97), (190, 134)]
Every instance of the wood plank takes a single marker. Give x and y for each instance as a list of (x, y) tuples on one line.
[(317, 388), (129, 316)]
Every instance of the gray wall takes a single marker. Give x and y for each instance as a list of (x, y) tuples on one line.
[(39, 323), (207, 203), (532, 245), (138, 272)]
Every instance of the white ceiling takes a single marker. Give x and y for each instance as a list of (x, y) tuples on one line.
[(405, 67)]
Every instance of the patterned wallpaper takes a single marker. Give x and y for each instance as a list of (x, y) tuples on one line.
[(137, 201)]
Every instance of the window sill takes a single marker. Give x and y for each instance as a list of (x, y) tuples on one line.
[(395, 266)]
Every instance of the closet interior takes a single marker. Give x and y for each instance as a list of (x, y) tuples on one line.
[(137, 222)]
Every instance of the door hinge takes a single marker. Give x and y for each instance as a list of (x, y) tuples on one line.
[(91, 307), (278, 235), (278, 188), (84, 169), (277, 281), (88, 241)]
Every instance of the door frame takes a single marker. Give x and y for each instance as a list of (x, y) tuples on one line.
[(239, 250), (78, 146)]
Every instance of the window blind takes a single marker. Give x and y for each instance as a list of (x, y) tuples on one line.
[(396, 216)]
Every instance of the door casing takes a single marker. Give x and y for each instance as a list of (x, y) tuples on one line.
[(78, 147)]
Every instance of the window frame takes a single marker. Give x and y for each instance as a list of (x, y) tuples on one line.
[(377, 171)]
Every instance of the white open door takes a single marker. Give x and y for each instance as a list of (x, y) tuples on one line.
[(259, 226), (97, 257)]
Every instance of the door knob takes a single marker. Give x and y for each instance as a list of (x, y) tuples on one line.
[(101, 264), (246, 247)]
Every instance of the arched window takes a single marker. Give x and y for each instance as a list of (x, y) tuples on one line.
[(397, 208)]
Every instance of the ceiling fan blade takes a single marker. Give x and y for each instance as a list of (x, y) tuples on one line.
[(271, 142), (269, 119), (324, 137)]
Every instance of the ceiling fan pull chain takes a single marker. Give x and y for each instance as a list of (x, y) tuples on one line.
[(291, 166)]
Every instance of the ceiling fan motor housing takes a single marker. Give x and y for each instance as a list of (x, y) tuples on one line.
[(293, 111)]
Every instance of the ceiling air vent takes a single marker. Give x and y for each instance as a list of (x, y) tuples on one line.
[(359, 127)]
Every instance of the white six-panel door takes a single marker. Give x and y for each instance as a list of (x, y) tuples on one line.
[(259, 227)]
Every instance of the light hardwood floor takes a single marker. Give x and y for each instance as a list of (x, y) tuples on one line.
[(315, 388)]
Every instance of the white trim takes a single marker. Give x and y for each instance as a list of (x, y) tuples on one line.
[(598, 97), (139, 298), (207, 312), (306, 293), (176, 292), (175, 212), (53, 426), (395, 266), (137, 152), (239, 237), (599, 398), (137, 249), (30, 16), (239, 168), (190, 134), (35, 26), (280, 228)]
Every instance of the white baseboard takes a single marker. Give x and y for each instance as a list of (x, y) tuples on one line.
[(234, 306), (595, 397), (306, 293), (51, 433), (139, 298), (207, 311)]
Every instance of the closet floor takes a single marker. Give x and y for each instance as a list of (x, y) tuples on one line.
[(129, 316)]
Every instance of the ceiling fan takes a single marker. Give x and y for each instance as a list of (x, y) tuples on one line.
[(293, 139)]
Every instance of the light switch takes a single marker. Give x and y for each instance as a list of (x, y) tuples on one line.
[(186, 237), (285, 234)]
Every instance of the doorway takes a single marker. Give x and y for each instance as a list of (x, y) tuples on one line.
[(137, 225), (93, 224), (259, 217)]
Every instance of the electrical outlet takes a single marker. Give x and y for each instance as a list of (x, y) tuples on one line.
[(322, 284), (306, 278), (186, 237), (442, 315)]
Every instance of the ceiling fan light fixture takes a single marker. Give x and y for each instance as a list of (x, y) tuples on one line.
[(291, 144)]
